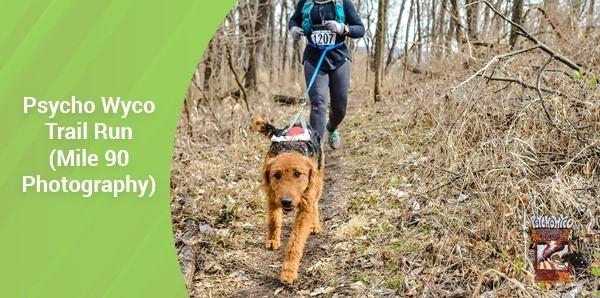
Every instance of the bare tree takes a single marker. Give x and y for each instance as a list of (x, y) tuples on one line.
[(455, 24), (410, 16), (395, 37), (433, 28), (441, 24), (590, 17), (473, 19), (369, 37), (256, 43), (380, 37), (283, 36), (418, 36), (517, 12), (208, 64)]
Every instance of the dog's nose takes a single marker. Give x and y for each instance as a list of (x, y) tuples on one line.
[(286, 202)]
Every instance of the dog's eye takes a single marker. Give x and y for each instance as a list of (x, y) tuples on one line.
[(297, 174), (277, 175)]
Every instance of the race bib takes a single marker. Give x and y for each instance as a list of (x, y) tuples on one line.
[(323, 37)]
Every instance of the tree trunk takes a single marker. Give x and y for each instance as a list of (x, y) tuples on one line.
[(487, 23), (590, 17), (472, 19), (380, 36), (517, 12), (270, 52), (441, 26), (433, 28), (395, 37), (256, 44), (497, 27), (352, 43), (450, 32), (418, 35), (284, 40), (208, 65), (456, 24), (405, 53), (370, 65)]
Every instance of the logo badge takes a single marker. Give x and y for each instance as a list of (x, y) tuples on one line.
[(551, 243)]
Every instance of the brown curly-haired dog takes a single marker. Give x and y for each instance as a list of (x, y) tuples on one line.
[(292, 179)]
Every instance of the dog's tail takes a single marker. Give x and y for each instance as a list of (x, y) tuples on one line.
[(264, 128)]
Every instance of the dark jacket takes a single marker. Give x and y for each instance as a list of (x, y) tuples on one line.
[(326, 12)]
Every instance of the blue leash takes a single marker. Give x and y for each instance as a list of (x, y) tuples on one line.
[(317, 67), (300, 116)]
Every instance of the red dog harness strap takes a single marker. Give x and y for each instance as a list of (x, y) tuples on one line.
[(294, 132)]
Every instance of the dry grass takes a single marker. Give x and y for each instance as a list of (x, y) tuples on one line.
[(435, 190)]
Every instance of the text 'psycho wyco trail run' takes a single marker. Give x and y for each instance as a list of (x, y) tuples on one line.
[(82, 130)]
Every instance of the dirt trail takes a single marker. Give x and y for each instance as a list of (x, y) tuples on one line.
[(266, 265)]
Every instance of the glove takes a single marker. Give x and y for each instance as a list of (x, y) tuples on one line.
[(296, 32), (335, 27)]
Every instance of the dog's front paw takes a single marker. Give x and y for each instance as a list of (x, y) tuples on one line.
[(288, 277), (273, 244)]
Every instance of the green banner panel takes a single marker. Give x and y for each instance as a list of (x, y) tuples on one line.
[(62, 244)]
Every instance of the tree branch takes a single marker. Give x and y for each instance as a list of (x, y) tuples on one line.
[(566, 61), (236, 76), (539, 91), (492, 61), (522, 83)]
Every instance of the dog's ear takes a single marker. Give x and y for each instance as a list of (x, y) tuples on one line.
[(263, 127), (312, 177), (266, 176)]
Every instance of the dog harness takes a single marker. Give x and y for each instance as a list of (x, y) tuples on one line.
[(310, 147)]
